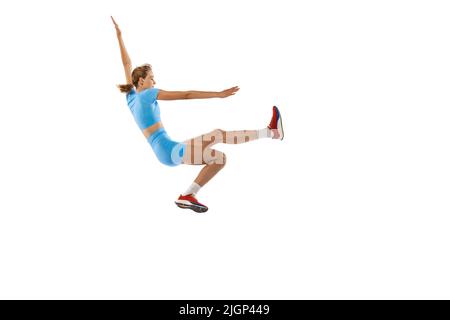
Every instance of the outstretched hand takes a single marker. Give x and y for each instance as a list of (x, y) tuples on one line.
[(119, 33), (228, 92)]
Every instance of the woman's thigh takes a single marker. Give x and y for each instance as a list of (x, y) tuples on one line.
[(198, 150)]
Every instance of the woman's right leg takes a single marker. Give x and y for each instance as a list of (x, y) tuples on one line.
[(198, 151), (211, 169)]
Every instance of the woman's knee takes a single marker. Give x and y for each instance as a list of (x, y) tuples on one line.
[(220, 161), (215, 157), (223, 159)]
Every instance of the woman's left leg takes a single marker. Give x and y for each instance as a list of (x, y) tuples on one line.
[(240, 136)]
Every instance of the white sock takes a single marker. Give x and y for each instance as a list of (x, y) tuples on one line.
[(265, 133), (193, 189)]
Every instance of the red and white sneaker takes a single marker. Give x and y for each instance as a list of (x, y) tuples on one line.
[(276, 125), (190, 202)]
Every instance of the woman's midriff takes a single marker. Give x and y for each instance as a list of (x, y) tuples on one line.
[(149, 130)]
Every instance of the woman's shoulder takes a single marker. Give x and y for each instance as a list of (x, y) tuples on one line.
[(149, 93), (131, 96)]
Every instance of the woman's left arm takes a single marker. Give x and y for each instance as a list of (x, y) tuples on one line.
[(124, 54)]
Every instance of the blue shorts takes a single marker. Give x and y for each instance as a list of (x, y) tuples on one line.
[(167, 151)]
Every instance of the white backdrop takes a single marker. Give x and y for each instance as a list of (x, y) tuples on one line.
[(354, 203)]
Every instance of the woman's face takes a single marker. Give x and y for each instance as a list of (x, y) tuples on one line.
[(149, 81)]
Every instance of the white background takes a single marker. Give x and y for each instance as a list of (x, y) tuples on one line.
[(354, 203)]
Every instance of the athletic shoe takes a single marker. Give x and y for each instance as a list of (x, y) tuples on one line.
[(189, 202), (276, 125)]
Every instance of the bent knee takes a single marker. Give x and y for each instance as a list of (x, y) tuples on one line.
[(224, 159), (220, 159)]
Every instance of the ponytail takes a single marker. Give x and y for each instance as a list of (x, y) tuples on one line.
[(138, 72), (125, 88)]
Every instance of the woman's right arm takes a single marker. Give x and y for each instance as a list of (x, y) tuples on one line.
[(180, 95), (123, 52)]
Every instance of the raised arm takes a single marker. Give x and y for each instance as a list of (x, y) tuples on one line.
[(123, 52), (180, 95)]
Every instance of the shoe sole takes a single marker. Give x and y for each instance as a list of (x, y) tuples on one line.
[(280, 124), (194, 207)]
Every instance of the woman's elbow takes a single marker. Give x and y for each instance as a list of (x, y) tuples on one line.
[(188, 95)]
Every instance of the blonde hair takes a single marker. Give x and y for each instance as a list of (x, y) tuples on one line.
[(138, 72)]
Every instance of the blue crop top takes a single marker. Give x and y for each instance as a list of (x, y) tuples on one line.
[(144, 107)]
